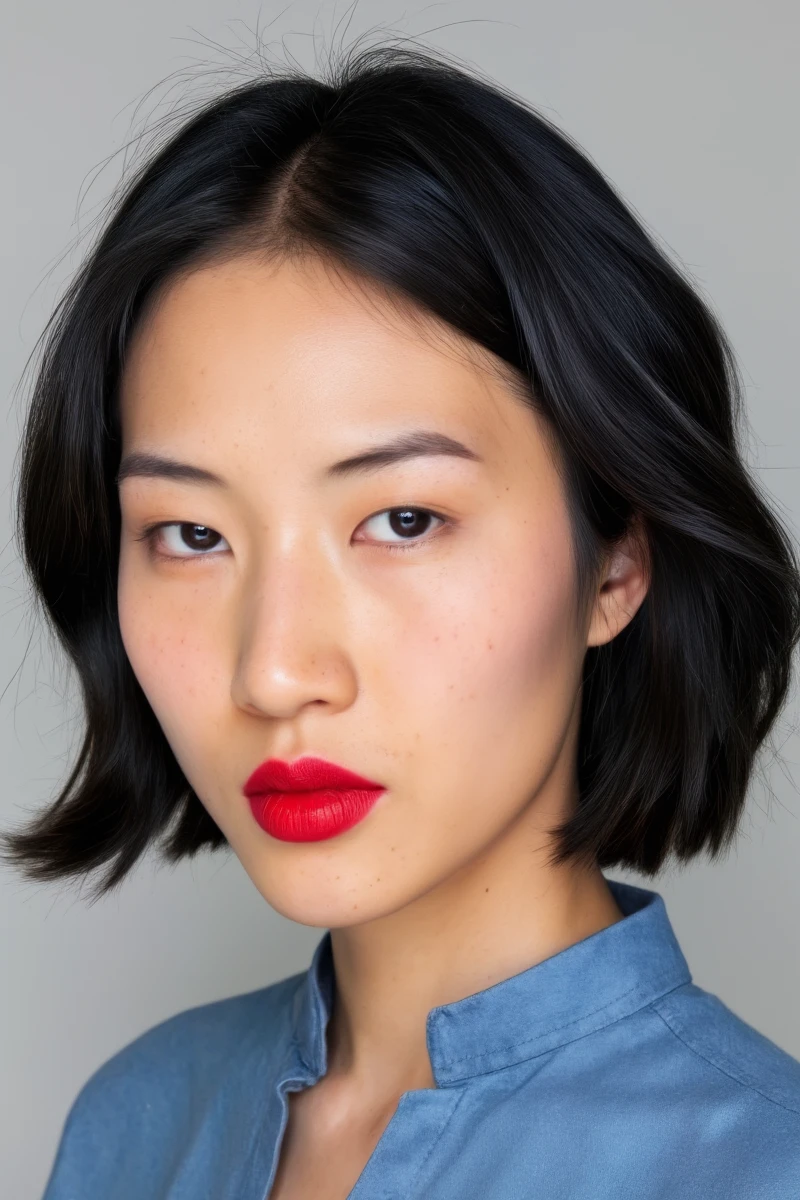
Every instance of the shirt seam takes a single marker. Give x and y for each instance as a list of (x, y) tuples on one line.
[(560, 1028), (439, 1136), (745, 1083)]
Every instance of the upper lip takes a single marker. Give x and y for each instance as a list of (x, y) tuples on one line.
[(306, 774)]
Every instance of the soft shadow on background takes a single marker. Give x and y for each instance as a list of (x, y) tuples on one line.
[(689, 107)]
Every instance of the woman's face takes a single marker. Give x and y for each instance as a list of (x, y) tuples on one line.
[(438, 654)]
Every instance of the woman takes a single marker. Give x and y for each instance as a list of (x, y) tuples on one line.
[(382, 482)]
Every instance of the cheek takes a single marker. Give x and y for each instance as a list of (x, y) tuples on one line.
[(168, 648), (493, 667)]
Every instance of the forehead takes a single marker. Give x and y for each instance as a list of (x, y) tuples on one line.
[(306, 348)]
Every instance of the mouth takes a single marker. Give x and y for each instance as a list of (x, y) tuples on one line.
[(309, 799)]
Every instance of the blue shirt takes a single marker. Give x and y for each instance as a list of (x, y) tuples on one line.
[(601, 1073)]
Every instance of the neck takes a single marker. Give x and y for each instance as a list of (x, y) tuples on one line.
[(496, 917)]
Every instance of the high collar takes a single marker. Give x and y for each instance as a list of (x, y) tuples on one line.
[(583, 988)]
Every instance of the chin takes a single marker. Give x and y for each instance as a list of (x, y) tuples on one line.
[(329, 904)]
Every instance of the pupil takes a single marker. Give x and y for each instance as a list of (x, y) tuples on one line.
[(197, 536), (405, 520)]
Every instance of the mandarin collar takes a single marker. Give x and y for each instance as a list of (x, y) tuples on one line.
[(579, 990)]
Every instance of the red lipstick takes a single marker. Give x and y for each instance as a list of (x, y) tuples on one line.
[(309, 799)]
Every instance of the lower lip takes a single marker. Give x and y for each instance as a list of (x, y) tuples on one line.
[(312, 816)]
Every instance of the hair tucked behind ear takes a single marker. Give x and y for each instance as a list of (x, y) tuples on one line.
[(459, 197)]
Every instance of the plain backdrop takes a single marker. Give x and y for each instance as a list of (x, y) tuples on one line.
[(690, 108)]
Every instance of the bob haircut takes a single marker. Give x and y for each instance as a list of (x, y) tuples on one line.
[(453, 193)]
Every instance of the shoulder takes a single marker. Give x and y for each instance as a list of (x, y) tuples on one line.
[(732, 1048), (204, 1041), (164, 1088), (733, 1098)]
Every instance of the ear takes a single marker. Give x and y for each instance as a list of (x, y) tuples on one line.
[(623, 587)]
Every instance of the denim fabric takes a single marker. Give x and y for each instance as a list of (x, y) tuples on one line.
[(602, 1073)]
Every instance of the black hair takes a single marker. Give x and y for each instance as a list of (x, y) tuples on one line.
[(456, 195)]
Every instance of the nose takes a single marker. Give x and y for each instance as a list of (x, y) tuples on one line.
[(292, 635)]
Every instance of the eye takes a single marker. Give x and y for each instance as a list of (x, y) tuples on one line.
[(397, 525), (181, 539)]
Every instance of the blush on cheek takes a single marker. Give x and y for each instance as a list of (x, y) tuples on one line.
[(525, 654), (517, 677), (522, 625), (168, 668)]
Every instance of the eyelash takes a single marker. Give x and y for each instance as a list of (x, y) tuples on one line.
[(149, 533)]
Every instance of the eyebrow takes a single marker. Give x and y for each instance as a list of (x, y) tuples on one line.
[(418, 443)]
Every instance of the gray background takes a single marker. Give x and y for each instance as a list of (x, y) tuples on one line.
[(690, 107)]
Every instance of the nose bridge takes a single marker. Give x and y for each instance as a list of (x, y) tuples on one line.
[(291, 647)]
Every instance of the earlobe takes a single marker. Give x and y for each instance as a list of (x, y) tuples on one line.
[(623, 587)]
